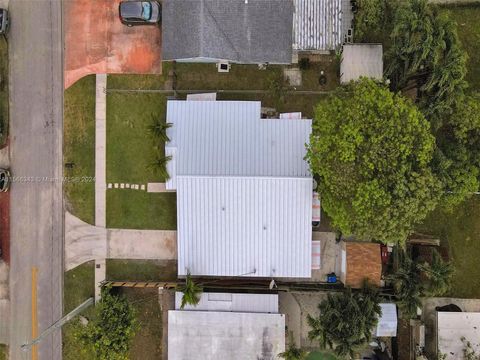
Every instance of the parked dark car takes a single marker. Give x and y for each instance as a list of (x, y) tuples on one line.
[(4, 21), (140, 12), (4, 180)]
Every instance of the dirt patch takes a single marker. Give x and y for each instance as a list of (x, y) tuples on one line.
[(97, 42), (5, 226)]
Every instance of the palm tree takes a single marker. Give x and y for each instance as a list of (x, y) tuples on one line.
[(293, 352), (407, 285), (158, 129), (191, 292), (159, 166), (438, 273), (345, 321)]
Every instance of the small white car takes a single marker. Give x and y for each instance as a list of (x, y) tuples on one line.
[(316, 213)]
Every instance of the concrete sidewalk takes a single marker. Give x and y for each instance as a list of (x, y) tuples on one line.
[(4, 304), (142, 244), (100, 150), (4, 321), (85, 242)]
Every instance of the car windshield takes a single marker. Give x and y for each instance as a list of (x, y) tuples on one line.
[(146, 10)]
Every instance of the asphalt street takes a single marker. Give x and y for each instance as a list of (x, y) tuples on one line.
[(36, 119)]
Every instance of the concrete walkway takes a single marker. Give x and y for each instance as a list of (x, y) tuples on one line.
[(4, 304), (4, 321), (100, 150), (85, 242), (142, 244), (157, 188)]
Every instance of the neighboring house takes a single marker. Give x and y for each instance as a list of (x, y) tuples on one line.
[(360, 261), (361, 60), (452, 327), (244, 190), (320, 26), (227, 326), (239, 31)]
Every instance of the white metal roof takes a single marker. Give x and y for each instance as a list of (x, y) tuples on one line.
[(244, 191), (451, 327), (254, 303), (317, 24), (228, 138), (221, 335), (387, 324), (361, 60), (230, 226)]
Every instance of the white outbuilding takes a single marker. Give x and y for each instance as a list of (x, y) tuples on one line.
[(361, 60)]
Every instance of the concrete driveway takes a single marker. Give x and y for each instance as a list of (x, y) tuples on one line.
[(96, 42)]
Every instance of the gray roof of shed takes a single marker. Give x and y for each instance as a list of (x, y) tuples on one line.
[(361, 60), (253, 31)]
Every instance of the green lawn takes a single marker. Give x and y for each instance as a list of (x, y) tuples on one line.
[(459, 230), (321, 355), (467, 17), (136, 209), (130, 152), (147, 343), (141, 270), (4, 114), (79, 148), (130, 147), (78, 286), (3, 352)]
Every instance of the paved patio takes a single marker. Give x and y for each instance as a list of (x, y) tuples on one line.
[(97, 42)]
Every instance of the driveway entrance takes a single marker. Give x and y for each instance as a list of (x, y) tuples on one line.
[(96, 42)]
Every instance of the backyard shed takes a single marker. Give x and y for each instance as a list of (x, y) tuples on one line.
[(452, 327), (240, 31), (387, 323), (360, 261), (244, 190), (361, 60)]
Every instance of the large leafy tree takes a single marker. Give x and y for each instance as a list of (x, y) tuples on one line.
[(372, 150), (111, 330), (346, 320), (427, 53), (457, 157), (370, 18)]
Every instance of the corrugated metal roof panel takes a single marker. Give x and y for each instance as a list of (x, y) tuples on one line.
[(317, 24), (228, 138), (244, 226), (258, 303)]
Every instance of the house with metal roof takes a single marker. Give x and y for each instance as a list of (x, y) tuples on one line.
[(238, 31), (244, 190), (227, 326)]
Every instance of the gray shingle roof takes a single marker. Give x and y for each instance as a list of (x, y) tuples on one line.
[(245, 31)]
